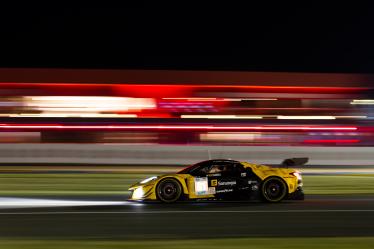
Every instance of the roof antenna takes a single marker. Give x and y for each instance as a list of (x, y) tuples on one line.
[(209, 155)]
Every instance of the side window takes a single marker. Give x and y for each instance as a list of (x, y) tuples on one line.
[(224, 168), (217, 168), (238, 168), (202, 169), (231, 169)]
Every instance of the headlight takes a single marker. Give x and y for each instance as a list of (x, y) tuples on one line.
[(148, 179), (138, 193)]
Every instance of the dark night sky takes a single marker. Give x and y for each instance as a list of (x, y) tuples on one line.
[(271, 37)]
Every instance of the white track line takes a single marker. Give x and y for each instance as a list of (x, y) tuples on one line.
[(190, 211)]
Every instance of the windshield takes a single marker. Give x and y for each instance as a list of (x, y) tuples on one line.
[(188, 169), (205, 166)]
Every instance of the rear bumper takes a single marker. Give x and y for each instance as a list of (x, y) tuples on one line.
[(297, 195)]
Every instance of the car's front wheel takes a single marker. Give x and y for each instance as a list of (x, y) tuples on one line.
[(273, 189), (169, 190)]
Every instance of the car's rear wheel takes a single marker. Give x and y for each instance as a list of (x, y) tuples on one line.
[(169, 190), (273, 189)]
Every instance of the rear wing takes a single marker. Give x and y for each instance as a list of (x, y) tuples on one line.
[(293, 162)]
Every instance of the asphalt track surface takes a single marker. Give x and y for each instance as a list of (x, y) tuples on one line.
[(116, 218)]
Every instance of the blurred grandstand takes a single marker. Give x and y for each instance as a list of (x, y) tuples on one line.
[(185, 107)]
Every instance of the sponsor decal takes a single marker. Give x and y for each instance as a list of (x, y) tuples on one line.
[(229, 183), (243, 174), (254, 187), (224, 191), (212, 190), (214, 182), (252, 182), (201, 186), (216, 174)]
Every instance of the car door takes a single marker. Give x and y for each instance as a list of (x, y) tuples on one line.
[(222, 179), (201, 188), (231, 181)]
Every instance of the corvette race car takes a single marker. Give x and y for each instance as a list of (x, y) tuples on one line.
[(222, 179)]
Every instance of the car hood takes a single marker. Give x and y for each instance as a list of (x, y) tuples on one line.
[(155, 181)]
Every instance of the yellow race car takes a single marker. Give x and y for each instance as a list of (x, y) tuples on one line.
[(222, 179)]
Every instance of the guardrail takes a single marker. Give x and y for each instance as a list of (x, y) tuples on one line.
[(174, 155)]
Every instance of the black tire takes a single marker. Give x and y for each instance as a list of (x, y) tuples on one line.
[(168, 190), (273, 189)]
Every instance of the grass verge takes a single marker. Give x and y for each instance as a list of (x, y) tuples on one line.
[(258, 243)]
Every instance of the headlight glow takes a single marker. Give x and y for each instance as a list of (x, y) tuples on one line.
[(298, 175), (148, 179), (138, 193)]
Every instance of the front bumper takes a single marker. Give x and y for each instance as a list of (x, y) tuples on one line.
[(142, 192), (297, 195)]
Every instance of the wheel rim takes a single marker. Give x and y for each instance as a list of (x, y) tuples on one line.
[(274, 190), (169, 191)]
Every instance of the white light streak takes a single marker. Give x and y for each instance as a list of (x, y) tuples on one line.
[(64, 115), (362, 102), (230, 136), (87, 103)]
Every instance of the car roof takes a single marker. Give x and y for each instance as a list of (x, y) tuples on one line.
[(222, 161)]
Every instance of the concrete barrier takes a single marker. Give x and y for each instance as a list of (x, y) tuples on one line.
[(175, 155)]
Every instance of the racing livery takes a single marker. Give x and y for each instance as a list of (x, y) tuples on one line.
[(222, 179)]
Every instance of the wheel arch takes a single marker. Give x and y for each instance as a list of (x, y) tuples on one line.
[(181, 180), (276, 177)]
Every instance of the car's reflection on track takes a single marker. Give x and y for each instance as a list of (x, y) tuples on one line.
[(120, 204), (12, 202)]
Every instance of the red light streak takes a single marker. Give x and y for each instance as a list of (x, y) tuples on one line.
[(157, 90), (172, 127), (317, 141)]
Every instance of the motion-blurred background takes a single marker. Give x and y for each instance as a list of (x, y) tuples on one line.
[(156, 116), (186, 107), (96, 98)]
